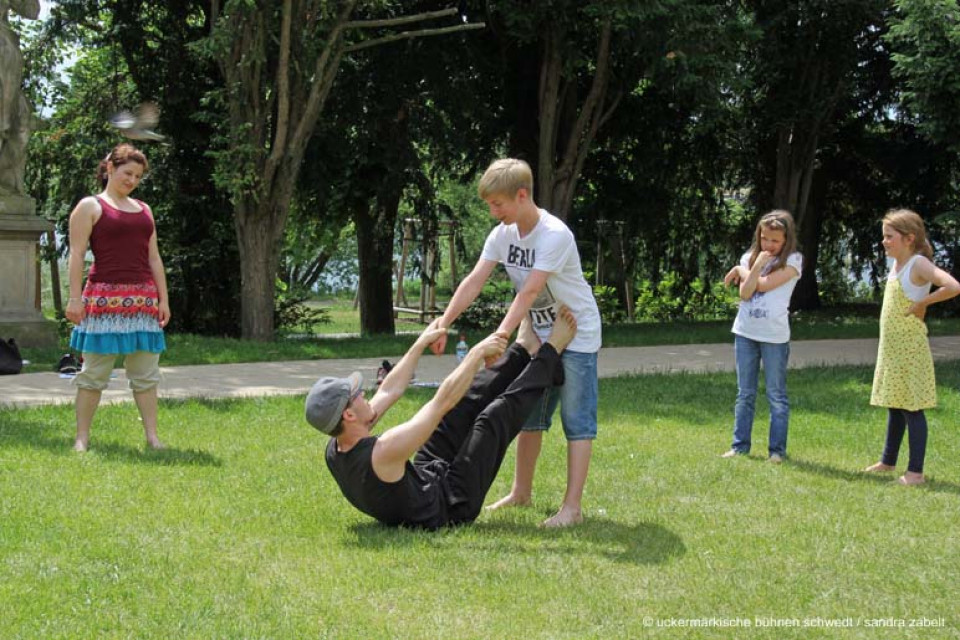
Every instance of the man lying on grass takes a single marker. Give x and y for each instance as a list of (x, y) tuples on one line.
[(457, 440)]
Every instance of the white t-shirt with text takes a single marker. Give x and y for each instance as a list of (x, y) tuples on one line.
[(549, 247), (765, 317)]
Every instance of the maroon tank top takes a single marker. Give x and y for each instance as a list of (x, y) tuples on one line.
[(120, 242)]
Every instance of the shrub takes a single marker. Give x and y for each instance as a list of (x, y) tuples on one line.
[(488, 309)]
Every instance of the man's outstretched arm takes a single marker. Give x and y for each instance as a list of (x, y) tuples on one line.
[(396, 445), (395, 384)]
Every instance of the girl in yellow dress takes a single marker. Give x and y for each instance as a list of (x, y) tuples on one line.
[(904, 380)]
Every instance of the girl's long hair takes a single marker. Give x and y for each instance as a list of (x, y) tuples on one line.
[(777, 220), (909, 223)]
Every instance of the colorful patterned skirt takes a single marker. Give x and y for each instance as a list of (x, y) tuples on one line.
[(119, 318)]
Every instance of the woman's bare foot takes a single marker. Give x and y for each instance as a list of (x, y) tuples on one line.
[(566, 517), (911, 478), (510, 500), (879, 468), (80, 445), (564, 329)]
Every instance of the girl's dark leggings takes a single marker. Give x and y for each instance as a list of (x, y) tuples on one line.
[(899, 420)]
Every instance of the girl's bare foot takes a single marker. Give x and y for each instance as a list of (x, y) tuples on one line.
[(566, 517), (155, 444), (911, 478), (79, 445), (510, 500), (879, 468)]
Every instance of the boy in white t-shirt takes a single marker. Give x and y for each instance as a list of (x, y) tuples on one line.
[(540, 256)]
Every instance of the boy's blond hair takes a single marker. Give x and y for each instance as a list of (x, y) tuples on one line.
[(506, 177)]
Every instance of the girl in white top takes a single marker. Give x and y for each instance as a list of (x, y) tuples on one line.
[(767, 275), (904, 377)]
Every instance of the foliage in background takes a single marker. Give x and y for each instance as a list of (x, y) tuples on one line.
[(674, 299), (127, 52), (489, 308)]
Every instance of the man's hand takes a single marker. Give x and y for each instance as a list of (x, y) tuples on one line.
[(430, 335), (491, 347), (438, 345)]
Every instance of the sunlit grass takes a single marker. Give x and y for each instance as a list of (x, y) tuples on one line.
[(239, 531)]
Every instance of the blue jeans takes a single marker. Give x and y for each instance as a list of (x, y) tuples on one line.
[(577, 399), (749, 354)]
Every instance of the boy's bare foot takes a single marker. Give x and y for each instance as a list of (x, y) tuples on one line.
[(879, 468), (911, 478), (566, 517), (79, 445), (510, 500), (564, 329), (527, 337)]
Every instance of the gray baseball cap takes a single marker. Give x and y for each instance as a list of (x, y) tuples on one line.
[(328, 398)]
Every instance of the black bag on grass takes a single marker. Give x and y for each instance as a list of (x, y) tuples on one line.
[(10, 360)]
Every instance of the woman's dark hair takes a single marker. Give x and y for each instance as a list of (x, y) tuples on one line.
[(121, 154)]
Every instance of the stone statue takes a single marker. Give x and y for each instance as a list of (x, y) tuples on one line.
[(15, 114)]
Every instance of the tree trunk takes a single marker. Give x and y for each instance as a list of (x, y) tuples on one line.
[(566, 132), (375, 226), (258, 242), (796, 163)]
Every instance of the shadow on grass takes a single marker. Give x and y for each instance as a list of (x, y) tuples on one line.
[(855, 475), (643, 543), (38, 436)]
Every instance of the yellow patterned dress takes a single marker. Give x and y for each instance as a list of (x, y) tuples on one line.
[(904, 377)]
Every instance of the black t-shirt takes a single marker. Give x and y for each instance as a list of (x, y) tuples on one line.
[(415, 500)]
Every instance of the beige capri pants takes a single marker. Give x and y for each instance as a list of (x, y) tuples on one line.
[(142, 367)]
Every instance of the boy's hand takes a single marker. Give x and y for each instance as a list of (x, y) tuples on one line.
[(438, 345), (431, 335), (733, 277)]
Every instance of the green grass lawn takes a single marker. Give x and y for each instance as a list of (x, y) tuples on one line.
[(238, 531)]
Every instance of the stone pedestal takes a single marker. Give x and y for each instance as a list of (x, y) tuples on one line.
[(20, 317)]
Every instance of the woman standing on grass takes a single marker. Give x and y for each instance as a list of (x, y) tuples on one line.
[(767, 275), (124, 305), (904, 377)]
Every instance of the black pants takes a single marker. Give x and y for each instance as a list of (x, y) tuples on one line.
[(898, 421), (473, 437)]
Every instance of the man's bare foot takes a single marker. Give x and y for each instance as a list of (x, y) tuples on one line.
[(879, 468), (527, 337), (564, 329), (911, 478), (566, 517), (510, 500), (79, 445)]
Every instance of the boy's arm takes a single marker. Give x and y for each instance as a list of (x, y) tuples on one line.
[(397, 381), (524, 299), (392, 449), (466, 293)]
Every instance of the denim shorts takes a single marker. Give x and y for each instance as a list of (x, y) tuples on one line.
[(577, 399)]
